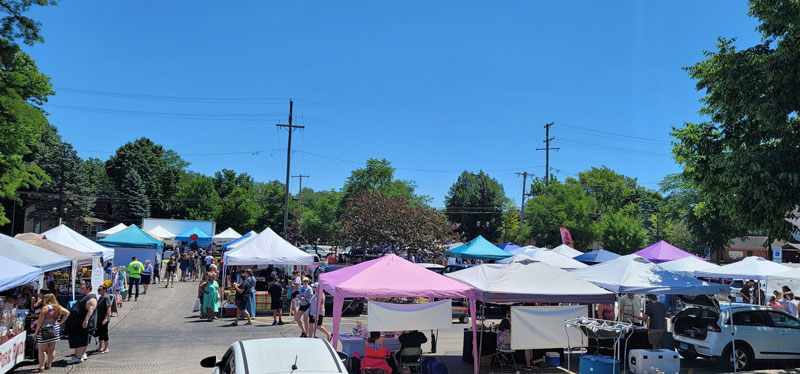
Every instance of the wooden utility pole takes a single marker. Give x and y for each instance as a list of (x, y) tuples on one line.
[(525, 193), (299, 191), (288, 165), (547, 148)]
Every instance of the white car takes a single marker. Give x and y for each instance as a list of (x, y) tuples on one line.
[(762, 333), (278, 355)]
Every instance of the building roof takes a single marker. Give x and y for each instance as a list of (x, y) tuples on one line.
[(753, 242)]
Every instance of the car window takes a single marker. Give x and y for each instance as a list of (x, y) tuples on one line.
[(227, 365), (749, 318), (784, 320)]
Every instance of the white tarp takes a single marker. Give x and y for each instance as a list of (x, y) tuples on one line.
[(687, 265), (542, 327), (267, 248), (403, 317), (530, 282), (789, 278), (67, 237), (636, 274), (753, 267), (161, 233), (547, 257), (226, 236), (567, 251), (32, 255), (108, 232)]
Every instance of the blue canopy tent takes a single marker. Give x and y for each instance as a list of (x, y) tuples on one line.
[(508, 246), (16, 273), (133, 241), (478, 248), (203, 239), (597, 256)]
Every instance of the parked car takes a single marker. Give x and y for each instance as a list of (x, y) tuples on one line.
[(319, 250), (278, 355), (736, 287), (455, 267), (352, 305), (762, 333), (436, 268)]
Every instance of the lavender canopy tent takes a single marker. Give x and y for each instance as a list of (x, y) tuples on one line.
[(663, 252), (392, 276)]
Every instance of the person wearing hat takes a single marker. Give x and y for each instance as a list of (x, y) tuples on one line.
[(304, 295), (312, 312), (243, 290)]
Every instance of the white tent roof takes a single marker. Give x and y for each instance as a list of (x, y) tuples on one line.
[(161, 232), (529, 282), (16, 273), (790, 274), (527, 250), (548, 257), (753, 267), (227, 235), (267, 248), (636, 274), (67, 237), (108, 232), (32, 255), (567, 251), (242, 242), (687, 265)]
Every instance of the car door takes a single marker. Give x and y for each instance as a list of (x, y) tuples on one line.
[(752, 326), (787, 330)]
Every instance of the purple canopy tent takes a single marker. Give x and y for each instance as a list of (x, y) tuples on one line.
[(392, 276), (663, 252)]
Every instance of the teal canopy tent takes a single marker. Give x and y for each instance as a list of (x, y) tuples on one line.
[(187, 236), (132, 237), (479, 248)]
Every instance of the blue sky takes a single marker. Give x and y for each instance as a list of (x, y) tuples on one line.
[(434, 87)]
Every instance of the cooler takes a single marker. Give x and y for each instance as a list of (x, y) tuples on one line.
[(597, 364), (651, 361)]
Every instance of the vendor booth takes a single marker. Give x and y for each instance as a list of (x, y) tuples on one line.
[(391, 276), (108, 232), (753, 267), (687, 266), (547, 257), (133, 241), (567, 251), (226, 236), (14, 338), (597, 256), (522, 251), (663, 252), (69, 238), (478, 248)]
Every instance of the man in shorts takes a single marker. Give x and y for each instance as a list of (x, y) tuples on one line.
[(276, 304), (81, 323)]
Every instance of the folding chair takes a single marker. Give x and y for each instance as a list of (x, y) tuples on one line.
[(374, 361), (411, 357)]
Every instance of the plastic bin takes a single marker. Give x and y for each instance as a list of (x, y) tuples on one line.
[(598, 364), (553, 359)]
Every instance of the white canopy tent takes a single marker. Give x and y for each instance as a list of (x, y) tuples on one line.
[(67, 237), (108, 232), (548, 257), (32, 255), (789, 278), (527, 281), (752, 267), (526, 250), (241, 242), (16, 273), (687, 266), (226, 236), (161, 232), (567, 251), (636, 274), (267, 248)]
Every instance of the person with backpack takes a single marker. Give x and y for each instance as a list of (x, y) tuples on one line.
[(243, 292)]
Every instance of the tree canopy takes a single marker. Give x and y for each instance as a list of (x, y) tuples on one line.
[(475, 204)]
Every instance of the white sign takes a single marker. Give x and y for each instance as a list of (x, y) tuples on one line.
[(777, 254), (399, 317), (12, 352), (97, 272), (542, 327), (735, 255)]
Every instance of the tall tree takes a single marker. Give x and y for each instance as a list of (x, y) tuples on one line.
[(320, 219), (475, 203), (378, 177), (612, 191), (743, 156), (159, 169), (621, 233), (197, 198), (67, 195), (132, 203), (559, 204)]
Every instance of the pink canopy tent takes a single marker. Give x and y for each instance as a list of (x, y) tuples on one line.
[(392, 276), (663, 252)]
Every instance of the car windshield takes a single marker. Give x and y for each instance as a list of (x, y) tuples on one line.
[(737, 283)]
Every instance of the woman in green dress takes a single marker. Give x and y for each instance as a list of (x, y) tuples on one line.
[(212, 297)]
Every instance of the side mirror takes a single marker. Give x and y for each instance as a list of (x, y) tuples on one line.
[(209, 362)]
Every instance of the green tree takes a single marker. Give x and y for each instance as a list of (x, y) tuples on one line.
[(159, 169), (67, 194), (612, 191), (320, 219), (99, 183), (475, 204), (621, 233), (239, 210), (378, 177), (742, 159), (132, 203), (557, 205), (270, 199), (509, 228), (197, 198)]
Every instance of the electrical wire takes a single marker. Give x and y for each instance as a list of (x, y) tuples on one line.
[(260, 117), (187, 99)]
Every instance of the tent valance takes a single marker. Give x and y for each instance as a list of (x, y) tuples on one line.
[(132, 237), (478, 248), (16, 274), (32, 255), (67, 237), (663, 252)]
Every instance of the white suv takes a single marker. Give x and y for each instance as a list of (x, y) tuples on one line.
[(703, 329)]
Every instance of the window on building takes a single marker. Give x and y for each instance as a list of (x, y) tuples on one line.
[(37, 226), (85, 230), (93, 230)]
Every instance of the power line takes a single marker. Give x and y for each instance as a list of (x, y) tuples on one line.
[(288, 163), (253, 152), (546, 149), (611, 134), (189, 99), (260, 117), (414, 169), (601, 147)]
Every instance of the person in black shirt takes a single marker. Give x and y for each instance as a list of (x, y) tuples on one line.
[(104, 302), (81, 323), (276, 304), (410, 339)]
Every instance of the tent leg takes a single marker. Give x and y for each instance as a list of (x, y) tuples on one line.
[(475, 358), (338, 303), (733, 332), (483, 315), (313, 334)]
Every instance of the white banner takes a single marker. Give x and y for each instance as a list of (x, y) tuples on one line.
[(402, 317), (97, 272), (542, 327), (12, 352)]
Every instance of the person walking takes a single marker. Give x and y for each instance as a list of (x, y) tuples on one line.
[(304, 295), (312, 312), (135, 269), (252, 280), (48, 330), (172, 270), (184, 263), (157, 270), (104, 302), (81, 323), (243, 290), (655, 319), (147, 275), (212, 295), (276, 303)]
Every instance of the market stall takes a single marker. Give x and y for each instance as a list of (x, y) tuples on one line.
[(83, 259), (69, 238), (133, 241), (478, 248), (789, 278), (508, 246), (226, 236), (663, 252), (195, 234), (108, 232), (391, 276), (161, 233)]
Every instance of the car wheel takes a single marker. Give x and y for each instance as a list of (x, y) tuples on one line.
[(464, 319), (741, 358)]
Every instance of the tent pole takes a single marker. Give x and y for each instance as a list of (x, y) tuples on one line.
[(733, 334), (483, 318), (475, 358), (316, 317), (338, 303)]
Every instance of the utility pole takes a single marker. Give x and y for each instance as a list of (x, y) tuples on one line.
[(525, 193), (547, 148), (288, 165), (299, 191)]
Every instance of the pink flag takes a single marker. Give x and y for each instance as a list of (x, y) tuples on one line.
[(566, 237)]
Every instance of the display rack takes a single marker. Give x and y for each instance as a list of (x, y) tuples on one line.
[(600, 329)]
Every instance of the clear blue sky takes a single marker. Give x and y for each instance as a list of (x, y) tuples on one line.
[(426, 85)]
